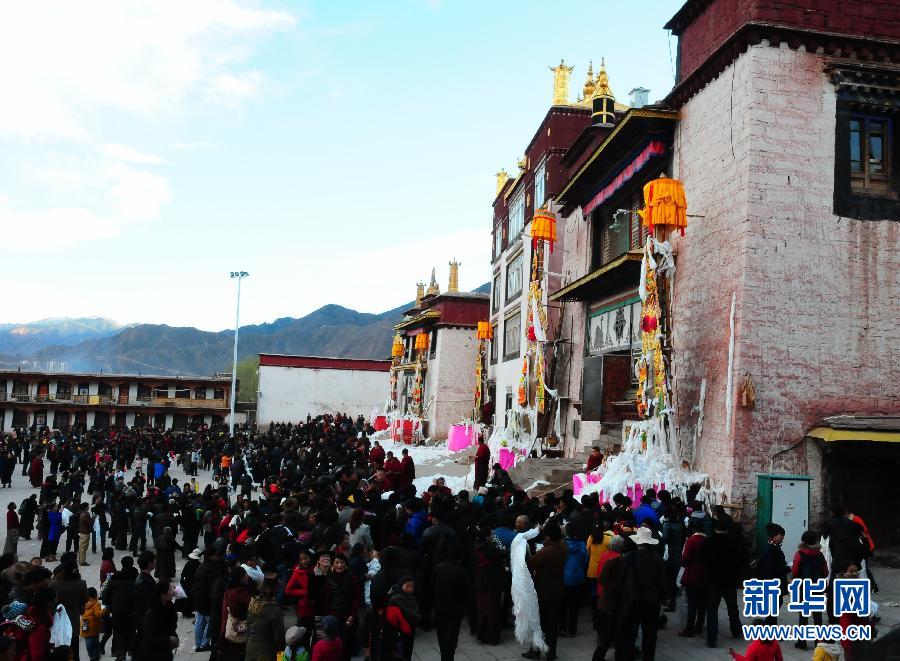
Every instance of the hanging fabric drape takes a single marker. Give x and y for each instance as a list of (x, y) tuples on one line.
[(664, 205), (543, 228)]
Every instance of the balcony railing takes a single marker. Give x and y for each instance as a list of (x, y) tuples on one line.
[(122, 400)]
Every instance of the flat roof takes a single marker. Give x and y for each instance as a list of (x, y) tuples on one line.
[(112, 376), (324, 362)]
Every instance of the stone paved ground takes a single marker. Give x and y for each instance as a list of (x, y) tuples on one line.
[(670, 647)]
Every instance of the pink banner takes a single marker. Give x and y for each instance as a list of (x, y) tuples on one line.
[(507, 458), (460, 437), (655, 148)]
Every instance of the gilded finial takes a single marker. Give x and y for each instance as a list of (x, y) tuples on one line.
[(502, 178), (561, 75), (523, 164), (453, 284), (420, 293), (589, 82), (433, 289), (601, 88)]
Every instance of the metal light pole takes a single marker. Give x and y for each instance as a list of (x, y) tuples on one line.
[(237, 324)]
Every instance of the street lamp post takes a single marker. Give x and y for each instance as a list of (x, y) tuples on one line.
[(240, 275)]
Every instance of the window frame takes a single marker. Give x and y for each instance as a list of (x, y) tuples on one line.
[(540, 184), (509, 354), (856, 203), (498, 240), (495, 344), (496, 291), (520, 258), (517, 216)]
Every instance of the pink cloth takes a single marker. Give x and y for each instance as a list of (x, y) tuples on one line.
[(460, 437)]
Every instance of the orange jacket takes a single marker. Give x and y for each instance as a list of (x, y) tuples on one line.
[(92, 619)]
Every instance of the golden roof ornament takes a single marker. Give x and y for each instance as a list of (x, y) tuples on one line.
[(589, 83), (502, 178), (453, 285), (433, 289), (420, 293), (601, 88), (561, 75), (523, 164)]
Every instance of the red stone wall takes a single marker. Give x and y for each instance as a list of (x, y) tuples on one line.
[(814, 327), (877, 19)]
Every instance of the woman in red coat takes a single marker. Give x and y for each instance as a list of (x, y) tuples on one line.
[(299, 587)]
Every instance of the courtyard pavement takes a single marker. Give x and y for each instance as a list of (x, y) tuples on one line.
[(670, 646)]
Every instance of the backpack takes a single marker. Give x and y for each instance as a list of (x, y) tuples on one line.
[(810, 566)]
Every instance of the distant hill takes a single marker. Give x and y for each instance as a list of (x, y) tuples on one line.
[(26, 339), (331, 330)]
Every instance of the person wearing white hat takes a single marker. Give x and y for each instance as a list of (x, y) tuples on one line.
[(642, 593)]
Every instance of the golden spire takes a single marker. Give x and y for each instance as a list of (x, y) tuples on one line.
[(420, 293), (601, 88), (561, 75), (502, 178), (433, 289), (453, 285), (589, 83), (523, 164)]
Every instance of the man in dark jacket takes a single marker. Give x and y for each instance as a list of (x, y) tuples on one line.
[(844, 541), (144, 586), (723, 562), (437, 541), (548, 569), (118, 599), (643, 590), (452, 594), (210, 569)]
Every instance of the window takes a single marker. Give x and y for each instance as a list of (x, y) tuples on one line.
[(512, 336), (497, 294), (161, 392), (514, 277), (498, 240), (516, 216), (620, 233), (495, 343), (200, 392), (540, 176), (870, 162), (218, 393), (432, 344)]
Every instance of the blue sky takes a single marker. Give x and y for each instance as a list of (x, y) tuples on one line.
[(335, 150)]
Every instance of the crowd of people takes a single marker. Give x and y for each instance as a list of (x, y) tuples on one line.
[(310, 542)]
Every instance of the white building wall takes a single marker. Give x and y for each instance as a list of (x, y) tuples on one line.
[(506, 371), (453, 385), (288, 394)]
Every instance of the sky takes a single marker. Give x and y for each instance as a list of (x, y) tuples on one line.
[(335, 150)]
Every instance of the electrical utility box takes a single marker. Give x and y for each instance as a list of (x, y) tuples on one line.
[(782, 499)]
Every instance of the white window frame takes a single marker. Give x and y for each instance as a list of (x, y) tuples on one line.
[(540, 185), (514, 353), (510, 295), (498, 240), (516, 216)]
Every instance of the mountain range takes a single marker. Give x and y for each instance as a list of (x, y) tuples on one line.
[(331, 330)]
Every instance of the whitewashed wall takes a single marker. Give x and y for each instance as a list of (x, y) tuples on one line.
[(288, 394)]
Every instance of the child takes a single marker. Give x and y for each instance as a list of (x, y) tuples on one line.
[(772, 563), (809, 563), (827, 651), (760, 650), (92, 624), (331, 647), (295, 650)]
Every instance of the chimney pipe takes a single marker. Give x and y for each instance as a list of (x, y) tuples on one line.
[(639, 97)]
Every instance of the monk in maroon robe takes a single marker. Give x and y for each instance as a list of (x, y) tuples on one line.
[(36, 471), (482, 463)]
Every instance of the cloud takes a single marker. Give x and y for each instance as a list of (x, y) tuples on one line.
[(70, 67), (129, 155), (53, 227), (189, 146)]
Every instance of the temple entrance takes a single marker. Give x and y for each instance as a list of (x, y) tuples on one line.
[(862, 476)]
